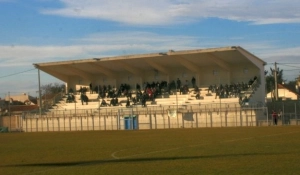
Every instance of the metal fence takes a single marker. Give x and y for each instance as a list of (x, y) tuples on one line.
[(288, 113), (151, 117), (155, 117)]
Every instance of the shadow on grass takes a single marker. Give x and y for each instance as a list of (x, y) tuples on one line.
[(126, 160)]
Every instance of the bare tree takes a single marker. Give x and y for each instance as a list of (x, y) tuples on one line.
[(51, 89)]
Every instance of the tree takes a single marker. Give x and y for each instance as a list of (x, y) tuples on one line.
[(270, 79), (291, 85), (50, 90)]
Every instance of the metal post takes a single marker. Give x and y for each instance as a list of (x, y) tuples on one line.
[(150, 120), (119, 120), (220, 100), (9, 113), (64, 121), (131, 116), (177, 106), (296, 112), (40, 96), (197, 124), (99, 119), (75, 106), (282, 115), (267, 116), (9, 103), (275, 78)]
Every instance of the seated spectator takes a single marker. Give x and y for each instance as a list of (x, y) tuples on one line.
[(210, 89), (112, 102), (178, 83), (250, 83), (245, 101), (139, 95), (84, 98), (217, 93), (91, 88), (71, 90), (70, 98), (103, 103), (221, 93), (255, 78), (197, 96), (134, 101), (144, 97), (181, 90), (116, 101), (149, 93), (96, 89), (154, 93), (196, 89), (185, 89), (138, 87), (193, 82), (129, 94), (127, 103)]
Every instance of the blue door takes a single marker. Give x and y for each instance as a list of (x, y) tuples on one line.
[(130, 122)]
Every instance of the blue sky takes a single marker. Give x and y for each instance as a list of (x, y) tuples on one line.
[(36, 31)]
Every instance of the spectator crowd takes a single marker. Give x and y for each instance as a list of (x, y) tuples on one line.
[(149, 91)]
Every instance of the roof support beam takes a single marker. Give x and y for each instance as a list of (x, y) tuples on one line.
[(79, 72), (130, 69), (218, 61), (189, 65), (157, 66), (103, 70), (54, 73)]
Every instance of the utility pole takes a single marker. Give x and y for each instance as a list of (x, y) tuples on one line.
[(40, 93), (9, 111), (9, 103), (275, 78)]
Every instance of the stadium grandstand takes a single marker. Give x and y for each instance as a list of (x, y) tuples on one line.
[(212, 87)]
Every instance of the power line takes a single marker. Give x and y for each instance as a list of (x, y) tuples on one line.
[(289, 63), (290, 66), (268, 63), (16, 73), (290, 69)]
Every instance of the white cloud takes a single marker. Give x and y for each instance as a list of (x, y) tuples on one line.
[(282, 52), (281, 55), (7, 0), (20, 55), (126, 43), (19, 58), (287, 59), (94, 45), (165, 12)]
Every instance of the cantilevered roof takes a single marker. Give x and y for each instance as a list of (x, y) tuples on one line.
[(163, 62)]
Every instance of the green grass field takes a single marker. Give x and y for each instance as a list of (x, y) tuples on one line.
[(240, 150)]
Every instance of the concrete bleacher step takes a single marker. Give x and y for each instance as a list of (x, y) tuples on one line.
[(169, 99)]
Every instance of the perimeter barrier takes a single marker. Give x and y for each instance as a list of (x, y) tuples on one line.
[(150, 117)]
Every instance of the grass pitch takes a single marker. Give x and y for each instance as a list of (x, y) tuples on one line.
[(239, 150)]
